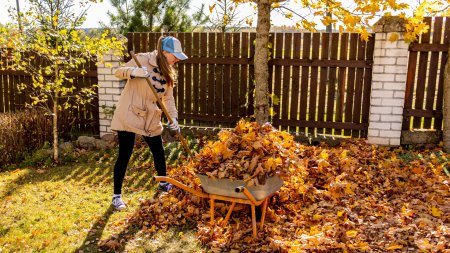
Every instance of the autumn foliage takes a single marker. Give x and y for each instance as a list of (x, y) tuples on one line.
[(352, 198)]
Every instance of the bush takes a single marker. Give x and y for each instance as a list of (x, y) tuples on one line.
[(21, 133)]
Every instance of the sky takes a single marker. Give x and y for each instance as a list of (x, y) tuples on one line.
[(98, 12)]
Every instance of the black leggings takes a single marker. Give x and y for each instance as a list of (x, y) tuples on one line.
[(126, 144)]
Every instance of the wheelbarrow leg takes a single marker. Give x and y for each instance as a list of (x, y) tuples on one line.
[(229, 213), (211, 210), (264, 209), (254, 220)]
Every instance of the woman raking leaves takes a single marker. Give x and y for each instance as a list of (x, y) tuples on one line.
[(137, 111)]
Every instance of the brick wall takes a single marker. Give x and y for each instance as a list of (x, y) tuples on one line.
[(388, 84), (108, 91)]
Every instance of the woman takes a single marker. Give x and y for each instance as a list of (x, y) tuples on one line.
[(137, 111)]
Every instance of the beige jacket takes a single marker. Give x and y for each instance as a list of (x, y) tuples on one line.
[(137, 110)]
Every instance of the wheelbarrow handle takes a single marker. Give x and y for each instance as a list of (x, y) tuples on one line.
[(181, 185), (247, 193)]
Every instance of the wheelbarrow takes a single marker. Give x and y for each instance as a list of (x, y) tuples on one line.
[(234, 191)]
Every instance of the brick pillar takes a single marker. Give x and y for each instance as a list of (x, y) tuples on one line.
[(108, 91), (388, 83)]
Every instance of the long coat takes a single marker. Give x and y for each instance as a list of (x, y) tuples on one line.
[(137, 109)]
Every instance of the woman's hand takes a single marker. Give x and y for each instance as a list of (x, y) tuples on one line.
[(174, 126), (140, 72)]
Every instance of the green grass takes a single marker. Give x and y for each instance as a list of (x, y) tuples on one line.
[(66, 208)]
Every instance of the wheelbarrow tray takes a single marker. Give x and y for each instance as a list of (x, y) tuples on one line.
[(227, 187)]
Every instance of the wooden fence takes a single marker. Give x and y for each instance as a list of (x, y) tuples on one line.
[(425, 78), (320, 83), (83, 119)]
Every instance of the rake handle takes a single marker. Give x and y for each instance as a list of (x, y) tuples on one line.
[(163, 108)]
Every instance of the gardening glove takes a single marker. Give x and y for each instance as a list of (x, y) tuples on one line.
[(174, 126), (140, 72)]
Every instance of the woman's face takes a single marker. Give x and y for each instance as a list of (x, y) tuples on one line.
[(171, 59)]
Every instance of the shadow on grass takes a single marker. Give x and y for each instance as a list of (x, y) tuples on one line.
[(176, 239), (95, 233)]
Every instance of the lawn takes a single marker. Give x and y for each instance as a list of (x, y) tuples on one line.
[(353, 197), (67, 208)]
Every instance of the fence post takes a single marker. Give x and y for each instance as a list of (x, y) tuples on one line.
[(108, 91), (388, 82)]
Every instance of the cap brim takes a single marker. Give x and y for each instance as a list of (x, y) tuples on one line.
[(180, 56)]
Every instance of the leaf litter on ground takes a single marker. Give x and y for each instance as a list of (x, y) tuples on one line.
[(354, 197)]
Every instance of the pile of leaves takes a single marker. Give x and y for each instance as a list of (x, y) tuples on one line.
[(355, 197), (249, 152)]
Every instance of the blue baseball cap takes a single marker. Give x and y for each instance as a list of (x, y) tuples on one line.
[(173, 45)]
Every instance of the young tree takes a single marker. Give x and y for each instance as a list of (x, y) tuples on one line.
[(60, 49), (350, 16), (224, 17), (153, 15)]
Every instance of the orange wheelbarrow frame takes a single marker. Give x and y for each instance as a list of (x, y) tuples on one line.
[(250, 200)]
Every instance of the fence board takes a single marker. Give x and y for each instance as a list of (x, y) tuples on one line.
[(367, 85), (188, 80), (179, 90), (349, 96), (195, 73), (304, 81), (278, 70), (358, 88), (211, 74), (325, 47), (203, 73), (286, 80), (251, 77), (227, 76), (314, 81), (332, 81), (219, 75), (342, 73), (244, 84), (235, 79), (294, 104)]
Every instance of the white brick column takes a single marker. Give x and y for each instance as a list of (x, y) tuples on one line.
[(108, 91), (388, 83)]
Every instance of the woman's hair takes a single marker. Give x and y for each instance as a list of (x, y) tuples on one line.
[(167, 71)]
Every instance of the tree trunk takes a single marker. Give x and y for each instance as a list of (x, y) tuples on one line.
[(261, 62), (55, 119), (55, 130), (446, 109)]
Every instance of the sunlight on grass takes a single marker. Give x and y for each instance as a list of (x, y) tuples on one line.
[(67, 209)]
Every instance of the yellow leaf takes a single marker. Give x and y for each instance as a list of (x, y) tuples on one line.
[(323, 155), (317, 216), (211, 8), (313, 230), (393, 37), (436, 212), (406, 211), (363, 246), (340, 213), (394, 247), (351, 233), (424, 244), (348, 189)]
